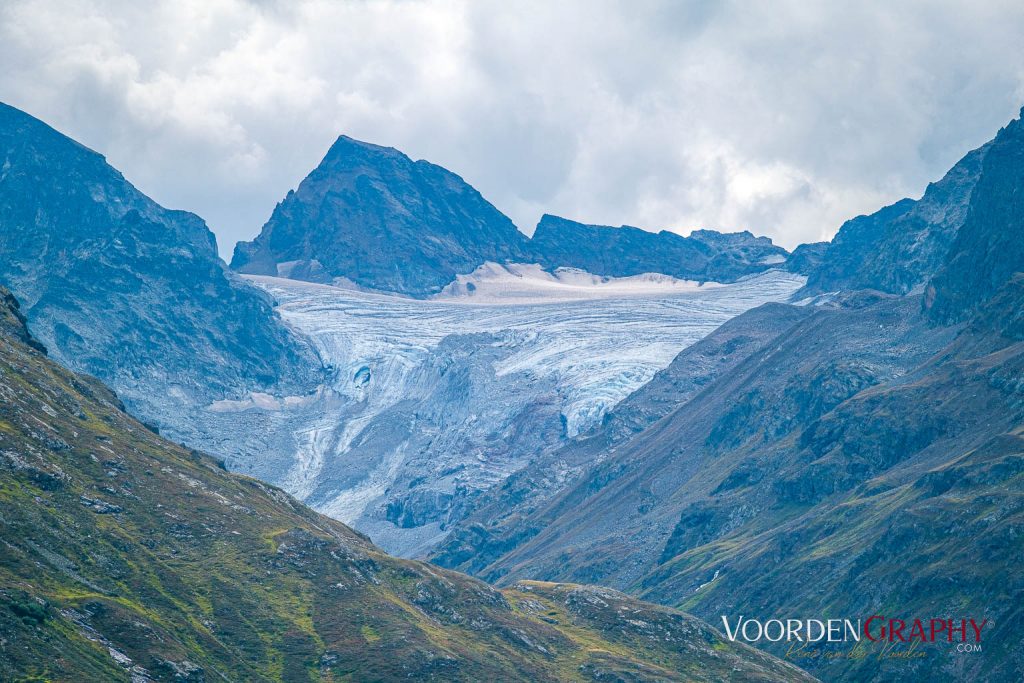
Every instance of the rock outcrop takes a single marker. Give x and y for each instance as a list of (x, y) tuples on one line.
[(989, 248), (901, 246), (705, 255)]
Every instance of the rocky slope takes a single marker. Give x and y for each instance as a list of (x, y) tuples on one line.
[(124, 289), (855, 350), (502, 517), (127, 557), (868, 457), (900, 246), (839, 470), (374, 216), (704, 255), (988, 249)]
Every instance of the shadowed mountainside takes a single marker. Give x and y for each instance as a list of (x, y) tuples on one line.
[(126, 290), (376, 217), (705, 255), (900, 246)]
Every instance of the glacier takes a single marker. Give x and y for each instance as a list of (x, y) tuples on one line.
[(428, 402)]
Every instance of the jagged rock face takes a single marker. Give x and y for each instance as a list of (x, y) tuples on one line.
[(13, 323), (129, 558), (989, 249), (121, 288), (705, 255), (902, 245), (373, 216), (807, 258)]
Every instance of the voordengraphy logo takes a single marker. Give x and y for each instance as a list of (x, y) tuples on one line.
[(889, 633), (874, 628)]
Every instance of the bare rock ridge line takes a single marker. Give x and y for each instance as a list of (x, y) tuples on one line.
[(373, 216)]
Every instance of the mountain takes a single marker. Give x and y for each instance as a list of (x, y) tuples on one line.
[(387, 412), (670, 431), (603, 250), (807, 258), (864, 455), (129, 558), (988, 249), (374, 216), (126, 290), (900, 246), (503, 517)]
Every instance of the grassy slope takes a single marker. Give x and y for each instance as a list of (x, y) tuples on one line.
[(788, 487), (126, 556), (939, 528)]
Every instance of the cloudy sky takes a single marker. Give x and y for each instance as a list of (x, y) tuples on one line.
[(778, 117)]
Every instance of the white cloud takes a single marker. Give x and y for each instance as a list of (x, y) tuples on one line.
[(782, 117)]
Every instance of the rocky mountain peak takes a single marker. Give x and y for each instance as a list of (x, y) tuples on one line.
[(346, 147), (372, 215), (900, 246), (988, 249)]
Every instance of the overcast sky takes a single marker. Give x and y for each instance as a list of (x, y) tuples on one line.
[(777, 117)]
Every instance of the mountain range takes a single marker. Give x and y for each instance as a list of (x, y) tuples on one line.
[(346, 415), (860, 452), (708, 422), (372, 216)]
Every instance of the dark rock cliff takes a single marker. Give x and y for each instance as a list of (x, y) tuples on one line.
[(705, 255), (374, 216)]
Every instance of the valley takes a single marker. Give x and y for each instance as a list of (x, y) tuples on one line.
[(582, 419)]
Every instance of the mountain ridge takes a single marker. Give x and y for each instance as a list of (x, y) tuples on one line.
[(876, 428), (705, 255), (371, 215), (121, 288), (409, 226)]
